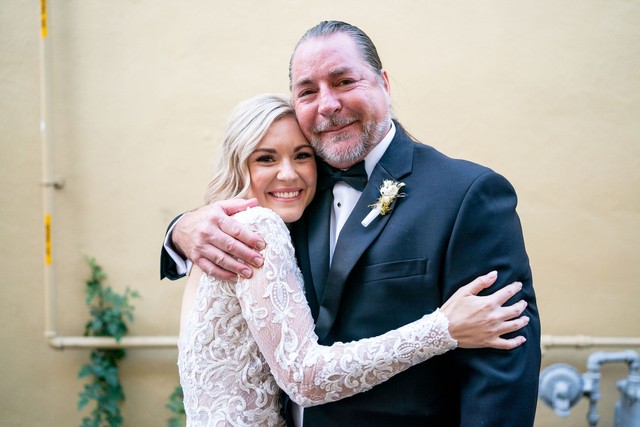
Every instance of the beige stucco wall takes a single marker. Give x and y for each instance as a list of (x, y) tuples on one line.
[(546, 92)]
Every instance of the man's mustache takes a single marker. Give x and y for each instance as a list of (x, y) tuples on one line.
[(334, 122)]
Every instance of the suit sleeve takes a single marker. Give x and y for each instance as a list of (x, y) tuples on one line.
[(497, 387), (168, 267)]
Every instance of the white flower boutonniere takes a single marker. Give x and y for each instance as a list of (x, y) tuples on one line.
[(389, 191)]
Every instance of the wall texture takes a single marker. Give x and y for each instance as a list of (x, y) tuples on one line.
[(546, 92)]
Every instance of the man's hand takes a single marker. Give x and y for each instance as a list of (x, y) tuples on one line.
[(215, 242)]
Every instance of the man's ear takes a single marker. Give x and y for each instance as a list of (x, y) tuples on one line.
[(385, 81)]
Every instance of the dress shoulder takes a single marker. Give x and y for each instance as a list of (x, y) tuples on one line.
[(259, 215)]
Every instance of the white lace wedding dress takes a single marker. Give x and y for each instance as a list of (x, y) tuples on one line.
[(245, 342)]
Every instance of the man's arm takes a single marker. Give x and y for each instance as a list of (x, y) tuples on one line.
[(497, 388), (214, 241), (172, 265)]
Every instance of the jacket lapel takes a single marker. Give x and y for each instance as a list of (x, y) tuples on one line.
[(318, 231), (354, 238)]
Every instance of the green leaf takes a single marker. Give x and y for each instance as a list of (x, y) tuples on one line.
[(110, 313)]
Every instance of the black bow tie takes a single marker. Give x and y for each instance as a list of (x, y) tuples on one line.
[(355, 176)]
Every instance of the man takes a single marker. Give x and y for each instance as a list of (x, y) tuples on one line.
[(451, 221)]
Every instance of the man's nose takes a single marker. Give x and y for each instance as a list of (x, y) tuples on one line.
[(329, 102)]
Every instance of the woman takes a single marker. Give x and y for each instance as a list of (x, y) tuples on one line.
[(241, 343)]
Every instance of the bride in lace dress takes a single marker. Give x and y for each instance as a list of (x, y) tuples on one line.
[(242, 344)]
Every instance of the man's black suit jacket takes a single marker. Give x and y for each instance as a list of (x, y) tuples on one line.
[(456, 222)]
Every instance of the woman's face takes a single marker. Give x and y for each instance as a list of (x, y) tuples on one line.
[(283, 170)]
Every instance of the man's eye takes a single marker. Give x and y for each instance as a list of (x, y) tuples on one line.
[(346, 82), (304, 93)]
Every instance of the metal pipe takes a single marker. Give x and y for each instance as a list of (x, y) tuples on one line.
[(548, 341), (584, 341), (629, 357), (62, 343), (49, 184)]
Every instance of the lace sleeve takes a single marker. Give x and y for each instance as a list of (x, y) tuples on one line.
[(279, 318)]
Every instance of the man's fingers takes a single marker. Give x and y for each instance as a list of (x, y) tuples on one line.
[(217, 243), (213, 270), (233, 206), (243, 234), (224, 262)]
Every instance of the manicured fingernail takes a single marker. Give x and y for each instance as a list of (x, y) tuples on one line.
[(492, 273), (257, 262), (246, 273), (261, 245)]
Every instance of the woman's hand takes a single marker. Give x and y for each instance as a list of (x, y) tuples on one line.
[(479, 321), (217, 243)]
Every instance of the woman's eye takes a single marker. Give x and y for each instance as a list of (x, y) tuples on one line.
[(304, 155), (264, 159)]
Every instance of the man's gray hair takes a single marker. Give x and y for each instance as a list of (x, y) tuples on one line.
[(364, 44)]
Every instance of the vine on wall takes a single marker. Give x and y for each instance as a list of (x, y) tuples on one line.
[(110, 314), (176, 406)]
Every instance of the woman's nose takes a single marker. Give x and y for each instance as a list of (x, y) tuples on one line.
[(287, 171)]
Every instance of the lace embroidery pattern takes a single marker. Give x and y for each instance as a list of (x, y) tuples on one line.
[(246, 341)]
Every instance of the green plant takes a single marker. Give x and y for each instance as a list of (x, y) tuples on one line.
[(110, 313), (176, 406)]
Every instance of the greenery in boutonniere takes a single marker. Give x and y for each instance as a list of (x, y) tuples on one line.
[(389, 191)]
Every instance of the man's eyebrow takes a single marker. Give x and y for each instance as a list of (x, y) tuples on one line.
[(303, 82), (339, 71), (332, 74)]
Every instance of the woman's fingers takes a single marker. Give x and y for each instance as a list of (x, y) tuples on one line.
[(508, 344), (480, 283), (482, 321), (516, 309), (503, 295), (507, 327), (512, 325)]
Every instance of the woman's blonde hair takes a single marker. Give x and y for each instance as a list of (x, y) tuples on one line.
[(246, 126)]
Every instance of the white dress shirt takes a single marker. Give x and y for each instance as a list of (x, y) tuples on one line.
[(346, 197)]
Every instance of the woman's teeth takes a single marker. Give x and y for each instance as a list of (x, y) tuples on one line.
[(286, 194)]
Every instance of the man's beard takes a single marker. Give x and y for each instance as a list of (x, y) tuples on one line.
[(333, 153)]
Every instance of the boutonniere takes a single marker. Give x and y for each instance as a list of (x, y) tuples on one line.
[(389, 191)]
